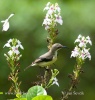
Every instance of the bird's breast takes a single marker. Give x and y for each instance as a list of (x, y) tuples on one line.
[(55, 57)]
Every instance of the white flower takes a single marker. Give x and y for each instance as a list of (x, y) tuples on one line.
[(78, 39), (88, 40), (13, 53), (83, 41), (82, 55), (86, 53), (6, 23), (81, 50), (55, 81), (80, 36), (57, 7), (46, 27), (51, 10), (47, 6), (75, 53), (10, 40), (10, 53), (52, 16), (15, 50), (59, 19), (47, 21), (8, 43), (10, 16), (19, 44)]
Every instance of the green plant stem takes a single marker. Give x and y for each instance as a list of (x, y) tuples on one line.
[(75, 81), (14, 78)]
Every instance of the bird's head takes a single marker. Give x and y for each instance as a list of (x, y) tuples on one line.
[(56, 47)]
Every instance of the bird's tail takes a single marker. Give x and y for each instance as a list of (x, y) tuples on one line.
[(27, 67)]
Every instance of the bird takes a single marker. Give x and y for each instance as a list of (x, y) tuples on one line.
[(49, 57)]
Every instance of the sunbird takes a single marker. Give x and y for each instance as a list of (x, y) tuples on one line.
[(49, 57)]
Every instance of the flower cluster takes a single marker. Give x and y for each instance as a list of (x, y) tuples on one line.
[(6, 23), (13, 53), (80, 50), (83, 41), (53, 16)]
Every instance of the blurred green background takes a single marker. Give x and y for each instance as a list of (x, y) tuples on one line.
[(26, 25)]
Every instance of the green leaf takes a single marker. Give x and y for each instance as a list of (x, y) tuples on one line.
[(35, 91), (42, 97)]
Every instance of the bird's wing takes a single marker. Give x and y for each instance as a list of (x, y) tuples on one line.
[(44, 58)]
